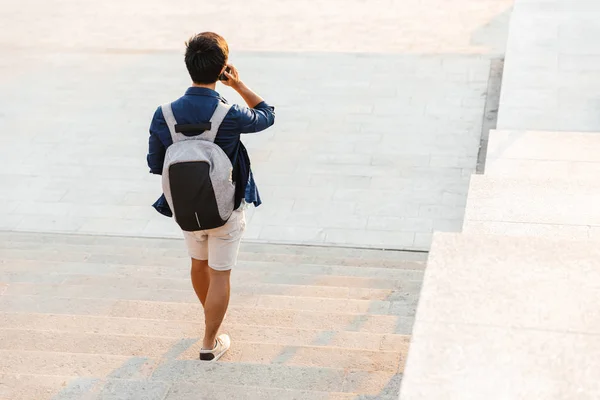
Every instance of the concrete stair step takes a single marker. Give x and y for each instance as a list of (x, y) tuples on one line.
[(193, 372), (544, 155), (370, 260), (42, 387), (48, 239), (399, 306), (249, 251), (192, 312), (85, 274), (374, 383), (508, 281), (169, 264), (35, 303), (291, 336), (497, 313), (524, 207), (71, 387), (409, 292), (188, 348), (183, 391)]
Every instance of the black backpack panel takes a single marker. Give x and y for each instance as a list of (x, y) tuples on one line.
[(194, 197)]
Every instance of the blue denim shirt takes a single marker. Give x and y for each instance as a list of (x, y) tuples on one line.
[(197, 106)]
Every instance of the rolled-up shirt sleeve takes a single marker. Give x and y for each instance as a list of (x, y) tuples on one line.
[(156, 148), (259, 118)]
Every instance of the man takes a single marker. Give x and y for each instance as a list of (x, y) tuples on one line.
[(214, 252)]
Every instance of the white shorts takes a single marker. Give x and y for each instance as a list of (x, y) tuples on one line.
[(220, 246)]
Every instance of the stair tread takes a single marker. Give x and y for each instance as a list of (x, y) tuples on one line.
[(520, 286), (83, 262), (556, 201), (292, 336), (188, 348), (398, 304), (239, 304), (167, 282), (35, 386), (183, 294), (196, 372), (544, 145), (193, 312)]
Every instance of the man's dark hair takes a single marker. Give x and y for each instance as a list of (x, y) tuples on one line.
[(205, 56)]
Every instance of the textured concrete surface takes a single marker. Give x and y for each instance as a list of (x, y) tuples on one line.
[(379, 112), (472, 362), (544, 155), (415, 26), (508, 307), (552, 67), (503, 317), (554, 202), (116, 318), (511, 282), (581, 147)]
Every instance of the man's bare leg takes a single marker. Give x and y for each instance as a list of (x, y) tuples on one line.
[(200, 279), (217, 301)]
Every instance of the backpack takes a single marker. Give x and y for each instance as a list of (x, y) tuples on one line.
[(197, 175)]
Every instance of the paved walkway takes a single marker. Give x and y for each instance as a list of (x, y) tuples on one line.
[(379, 113), (551, 79)]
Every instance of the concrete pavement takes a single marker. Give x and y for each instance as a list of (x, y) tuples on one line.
[(371, 148)]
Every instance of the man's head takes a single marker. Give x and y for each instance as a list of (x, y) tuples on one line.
[(206, 55)]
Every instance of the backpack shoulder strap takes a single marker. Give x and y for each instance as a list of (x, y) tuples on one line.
[(216, 120), (171, 122)]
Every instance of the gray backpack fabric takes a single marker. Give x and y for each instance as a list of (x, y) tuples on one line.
[(197, 176)]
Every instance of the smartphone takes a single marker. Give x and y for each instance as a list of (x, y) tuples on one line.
[(222, 77)]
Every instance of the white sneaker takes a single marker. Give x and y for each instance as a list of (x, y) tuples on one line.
[(223, 343)]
